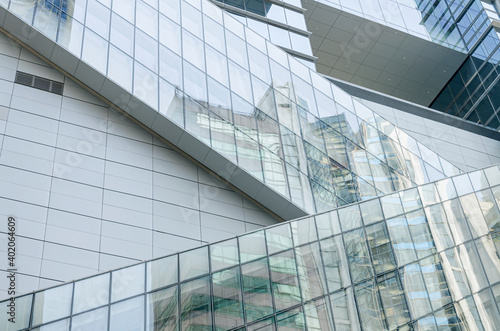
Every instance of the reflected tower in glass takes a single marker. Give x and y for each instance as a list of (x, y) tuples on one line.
[(187, 165)]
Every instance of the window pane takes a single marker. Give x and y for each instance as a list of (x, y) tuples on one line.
[(335, 263), (127, 282), (291, 320), (195, 305), (162, 310), (380, 248), (224, 254), (370, 310), (257, 290), (252, 246), (228, 299), (357, 255), (162, 272), (91, 293), (318, 315), (393, 300), (52, 304), (310, 268), (93, 320), (279, 238), (284, 279), (127, 315), (22, 313), (193, 263), (344, 310), (304, 231)]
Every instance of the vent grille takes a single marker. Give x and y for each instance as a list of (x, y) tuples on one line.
[(39, 83)]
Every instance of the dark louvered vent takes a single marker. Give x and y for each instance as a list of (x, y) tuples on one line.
[(24, 79), (39, 83)]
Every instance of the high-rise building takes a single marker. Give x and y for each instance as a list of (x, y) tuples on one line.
[(443, 54), (199, 165)]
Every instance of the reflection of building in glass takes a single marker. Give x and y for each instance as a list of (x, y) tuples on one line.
[(225, 184)]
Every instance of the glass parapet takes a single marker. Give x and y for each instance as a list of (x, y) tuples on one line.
[(241, 96), (427, 259)]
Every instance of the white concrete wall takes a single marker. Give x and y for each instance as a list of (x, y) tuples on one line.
[(91, 190)]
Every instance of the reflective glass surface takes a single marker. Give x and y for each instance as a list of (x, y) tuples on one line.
[(415, 269), (241, 96)]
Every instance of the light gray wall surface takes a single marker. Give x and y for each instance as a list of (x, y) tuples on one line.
[(465, 149), (92, 191)]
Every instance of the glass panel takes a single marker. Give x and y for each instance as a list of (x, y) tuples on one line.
[(127, 315), (380, 248), (52, 304), (284, 279), (489, 258), (489, 208), (455, 274), (478, 180), (456, 220), (91, 293), (487, 310), (463, 185), (392, 205), (421, 233), (428, 194), (265, 325), (371, 211), (252, 246), (357, 255), (393, 300), (402, 241), (474, 215), (439, 227), (328, 224), (224, 254), (257, 290), (318, 315), (195, 305), (56, 326), (162, 272), (435, 281), (414, 286), (92, 320), (228, 299), (369, 307), (468, 314), (291, 320), (335, 263), (304, 231), (350, 217), (310, 267), (411, 200), (447, 319), (279, 238), (344, 310), (162, 310), (472, 266), (446, 189), (95, 50), (193, 263), (19, 311), (127, 282), (493, 175)]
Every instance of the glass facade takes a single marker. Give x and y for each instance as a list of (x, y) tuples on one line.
[(425, 258), (281, 22), (397, 238), (241, 96), (472, 92)]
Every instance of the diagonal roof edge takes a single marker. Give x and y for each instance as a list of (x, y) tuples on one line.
[(150, 119)]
